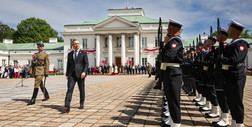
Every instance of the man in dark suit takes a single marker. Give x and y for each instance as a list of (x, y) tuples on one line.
[(77, 66)]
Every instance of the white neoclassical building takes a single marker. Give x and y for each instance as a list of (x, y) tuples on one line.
[(21, 54), (121, 37)]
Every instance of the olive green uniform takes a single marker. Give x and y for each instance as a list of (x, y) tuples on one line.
[(40, 68)]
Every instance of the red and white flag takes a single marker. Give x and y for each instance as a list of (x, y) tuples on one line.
[(89, 50), (151, 49)]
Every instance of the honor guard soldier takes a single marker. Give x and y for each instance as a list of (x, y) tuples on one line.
[(234, 72), (39, 69), (224, 119), (173, 57), (210, 83)]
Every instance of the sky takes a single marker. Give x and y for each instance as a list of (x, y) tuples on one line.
[(196, 15)]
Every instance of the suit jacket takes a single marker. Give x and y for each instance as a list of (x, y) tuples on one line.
[(79, 65)]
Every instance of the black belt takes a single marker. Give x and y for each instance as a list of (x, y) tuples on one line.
[(40, 65), (226, 67)]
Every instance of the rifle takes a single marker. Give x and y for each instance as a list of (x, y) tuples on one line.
[(160, 42), (213, 47), (221, 45), (159, 58)]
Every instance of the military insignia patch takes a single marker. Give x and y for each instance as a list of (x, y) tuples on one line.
[(241, 48), (174, 45)]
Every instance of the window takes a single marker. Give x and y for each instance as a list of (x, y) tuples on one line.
[(119, 41), (60, 64), (71, 43), (15, 62), (106, 42), (131, 41), (84, 41), (144, 61), (144, 42), (156, 42), (3, 62)]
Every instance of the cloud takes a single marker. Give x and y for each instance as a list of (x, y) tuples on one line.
[(196, 15)]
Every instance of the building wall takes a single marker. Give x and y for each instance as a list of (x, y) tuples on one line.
[(23, 57)]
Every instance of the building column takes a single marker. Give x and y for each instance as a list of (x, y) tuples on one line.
[(136, 50), (98, 50), (110, 53), (123, 50)]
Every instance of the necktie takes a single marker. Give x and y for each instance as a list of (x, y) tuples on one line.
[(75, 55)]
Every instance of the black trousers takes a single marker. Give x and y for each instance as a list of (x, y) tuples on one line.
[(172, 86), (222, 99), (197, 86), (234, 88), (192, 85), (70, 87)]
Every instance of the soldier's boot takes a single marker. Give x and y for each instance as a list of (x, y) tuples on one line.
[(224, 121), (34, 96), (158, 85), (206, 107), (166, 122), (46, 95), (213, 113), (220, 118), (198, 98), (201, 102), (175, 125)]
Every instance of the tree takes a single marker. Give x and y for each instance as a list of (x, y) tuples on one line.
[(33, 30), (6, 32), (60, 39), (244, 34)]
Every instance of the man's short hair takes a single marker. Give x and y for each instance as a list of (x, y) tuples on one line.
[(75, 40)]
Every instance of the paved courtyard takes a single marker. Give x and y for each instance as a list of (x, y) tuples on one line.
[(110, 101)]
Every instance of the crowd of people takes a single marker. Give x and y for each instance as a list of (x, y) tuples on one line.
[(10, 71), (127, 69)]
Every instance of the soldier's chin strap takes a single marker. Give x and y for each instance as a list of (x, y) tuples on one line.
[(169, 35)]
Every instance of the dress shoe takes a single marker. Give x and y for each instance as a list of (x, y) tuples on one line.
[(65, 109), (81, 107)]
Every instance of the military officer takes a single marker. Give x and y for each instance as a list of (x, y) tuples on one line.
[(234, 72), (173, 56), (39, 69)]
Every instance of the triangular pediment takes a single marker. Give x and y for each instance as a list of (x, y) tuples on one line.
[(115, 22)]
